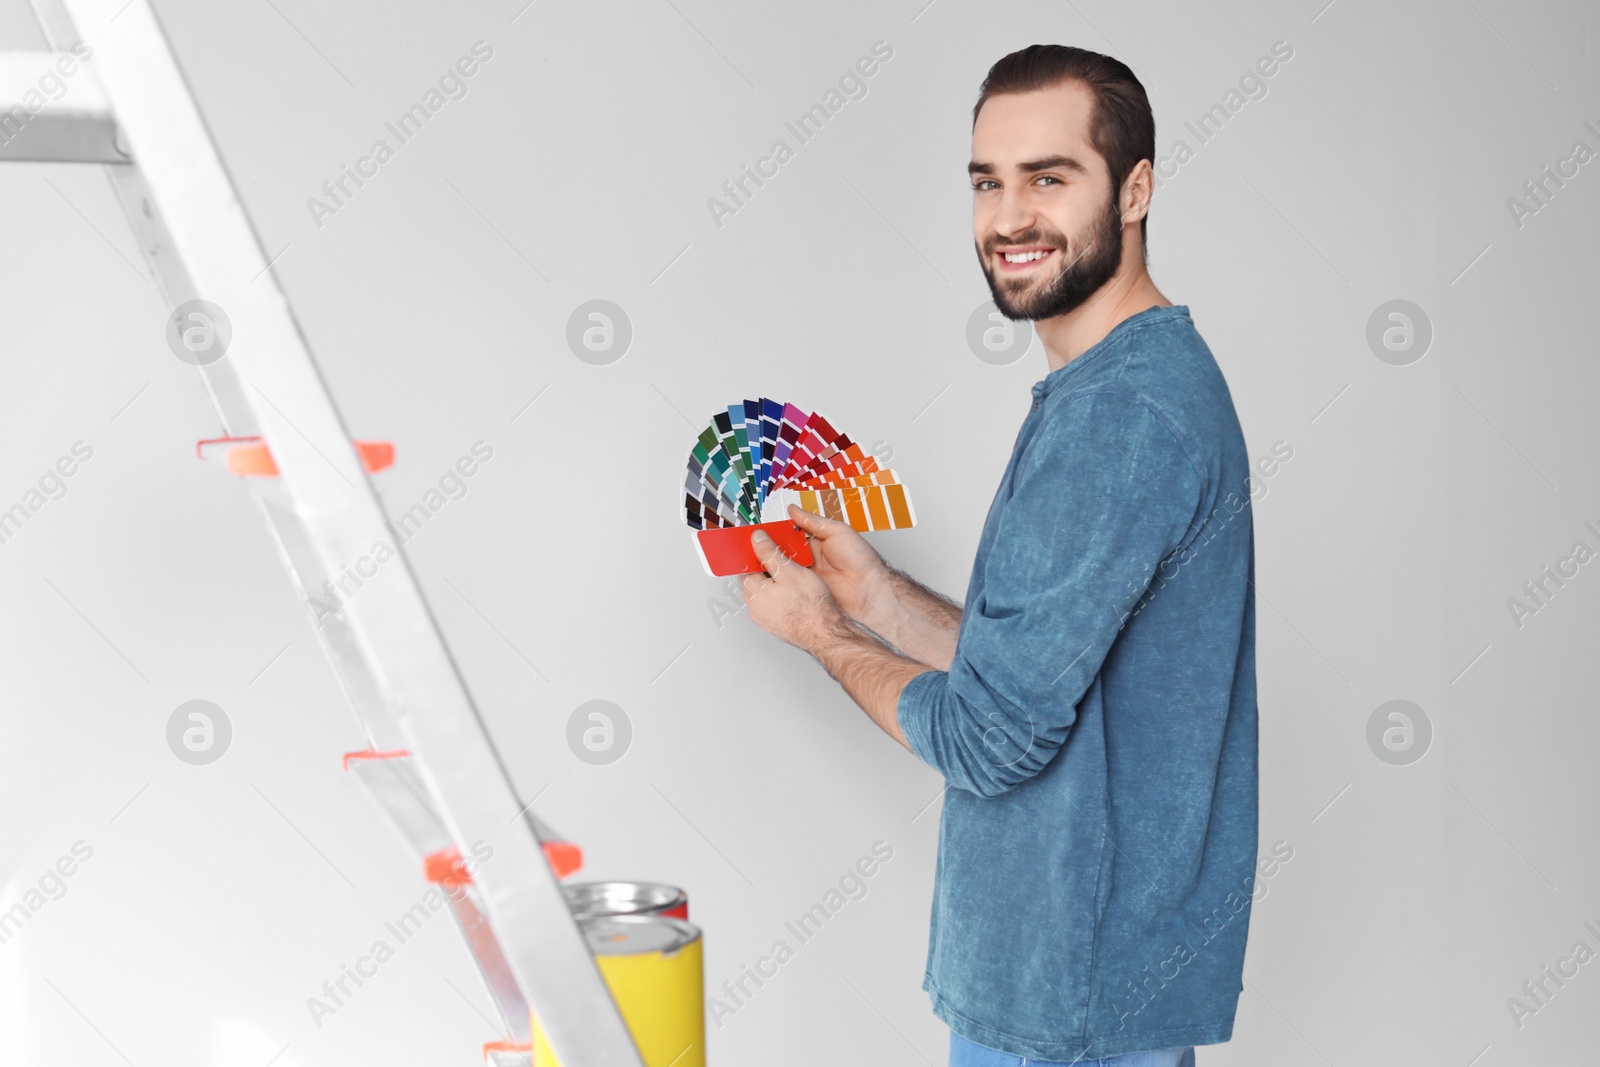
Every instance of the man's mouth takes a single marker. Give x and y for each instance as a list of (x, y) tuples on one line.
[(1017, 260)]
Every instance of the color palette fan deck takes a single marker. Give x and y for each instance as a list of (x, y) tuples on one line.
[(759, 456)]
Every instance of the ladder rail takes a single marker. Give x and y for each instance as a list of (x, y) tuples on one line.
[(193, 230)]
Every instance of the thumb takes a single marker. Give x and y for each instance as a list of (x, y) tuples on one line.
[(767, 551)]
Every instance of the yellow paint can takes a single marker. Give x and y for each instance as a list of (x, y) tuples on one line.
[(654, 968)]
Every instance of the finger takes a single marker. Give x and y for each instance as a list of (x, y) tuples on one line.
[(805, 520), (767, 551), (812, 523)]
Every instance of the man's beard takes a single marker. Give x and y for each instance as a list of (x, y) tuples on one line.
[(1098, 254)]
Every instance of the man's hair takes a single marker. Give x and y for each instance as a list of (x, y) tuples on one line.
[(1121, 126)]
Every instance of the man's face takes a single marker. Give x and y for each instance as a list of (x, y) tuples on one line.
[(1038, 186)]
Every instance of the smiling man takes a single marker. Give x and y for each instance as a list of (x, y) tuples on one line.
[(1092, 707)]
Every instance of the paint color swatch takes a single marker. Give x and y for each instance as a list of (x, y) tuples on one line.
[(863, 507), (758, 456)]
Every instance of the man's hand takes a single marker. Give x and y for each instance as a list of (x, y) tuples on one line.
[(853, 571), (790, 601), (907, 615)]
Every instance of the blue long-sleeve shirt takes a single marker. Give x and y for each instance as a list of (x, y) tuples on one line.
[(1097, 725)]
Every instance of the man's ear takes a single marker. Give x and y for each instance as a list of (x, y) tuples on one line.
[(1137, 189)]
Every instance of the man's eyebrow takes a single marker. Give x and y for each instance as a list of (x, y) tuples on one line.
[(1034, 166)]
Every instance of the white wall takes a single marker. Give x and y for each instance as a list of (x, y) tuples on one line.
[(1419, 499)]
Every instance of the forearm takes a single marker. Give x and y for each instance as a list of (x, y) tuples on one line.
[(872, 674), (918, 621)]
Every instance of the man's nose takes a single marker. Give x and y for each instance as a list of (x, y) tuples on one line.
[(1015, 215)]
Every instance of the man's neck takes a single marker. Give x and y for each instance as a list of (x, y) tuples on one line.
[(1066, 337)]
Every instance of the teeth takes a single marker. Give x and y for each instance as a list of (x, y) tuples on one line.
[(1025, 257)]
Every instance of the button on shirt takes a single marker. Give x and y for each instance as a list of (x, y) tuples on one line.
[(1097, 725)]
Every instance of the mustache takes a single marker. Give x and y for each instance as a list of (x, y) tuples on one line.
[(1054, 241)]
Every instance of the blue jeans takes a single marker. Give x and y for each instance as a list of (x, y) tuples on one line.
[(964, 1053)]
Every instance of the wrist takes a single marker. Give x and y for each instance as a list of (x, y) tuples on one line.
[(876, 601), (831, 630)]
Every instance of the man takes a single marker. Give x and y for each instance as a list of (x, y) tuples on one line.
[(1092, 707)]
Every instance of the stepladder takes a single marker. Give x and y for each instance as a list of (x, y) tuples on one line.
[(426, 758)]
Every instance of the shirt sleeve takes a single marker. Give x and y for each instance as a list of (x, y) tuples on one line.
[(1100, 497)]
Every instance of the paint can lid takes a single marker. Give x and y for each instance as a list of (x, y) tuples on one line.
[(622, 898), (638, 935)]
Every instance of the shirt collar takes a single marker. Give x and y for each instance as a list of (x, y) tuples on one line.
[(1042, 387)]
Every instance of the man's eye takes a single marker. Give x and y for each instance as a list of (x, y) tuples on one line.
[(1049, 178)]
